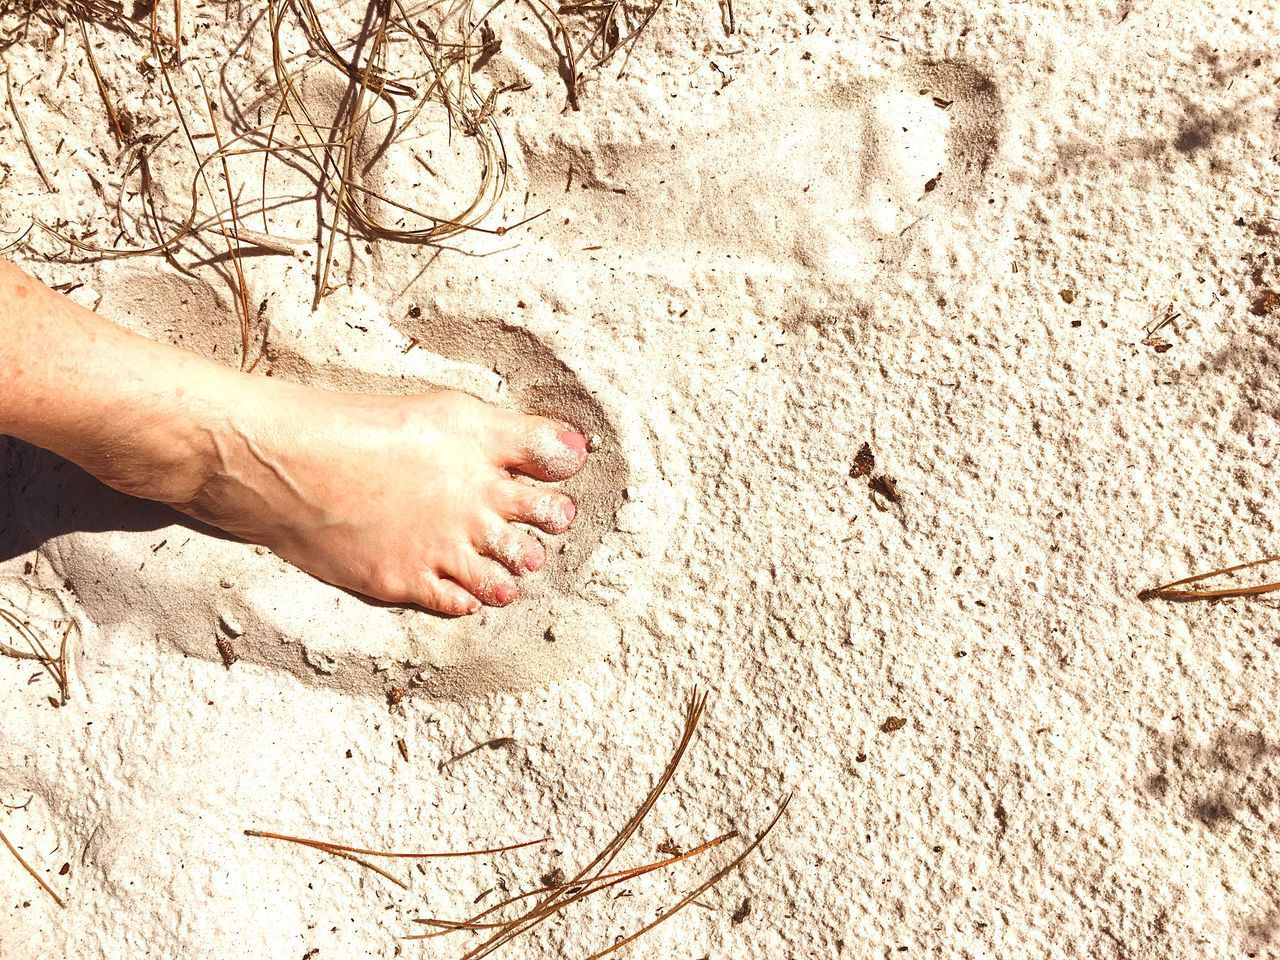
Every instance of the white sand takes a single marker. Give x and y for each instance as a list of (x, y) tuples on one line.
[(746, 280)]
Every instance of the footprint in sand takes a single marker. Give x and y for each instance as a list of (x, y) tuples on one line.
[(870, 168), (841, 186), (140, 567)]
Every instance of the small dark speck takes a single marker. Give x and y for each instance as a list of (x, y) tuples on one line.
[(740, 914), (1266, 302), (863, 462), (893, 724), (1158, 785), (886, 486), (1212, 812)]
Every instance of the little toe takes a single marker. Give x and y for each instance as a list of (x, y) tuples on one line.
[(514, 549), (547, 450), (443, 596), (484, 578), (548, 510)]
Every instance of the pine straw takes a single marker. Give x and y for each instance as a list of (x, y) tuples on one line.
[(37, 650), (22, 130), (595, 877), (434, 72), (1176, 590), (35, 876), (356, 853)]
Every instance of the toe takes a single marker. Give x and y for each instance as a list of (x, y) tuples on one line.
[(514, 549), (548, 510), (547, 450), (443, 596), (484, 578)]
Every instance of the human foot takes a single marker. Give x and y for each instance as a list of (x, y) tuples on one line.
[(408, 499)]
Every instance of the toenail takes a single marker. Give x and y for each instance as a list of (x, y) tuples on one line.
[(534, 561), (574, 441), (504, 593), (570, 510)]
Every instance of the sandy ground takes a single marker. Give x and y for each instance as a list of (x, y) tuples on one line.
[(943, 229)]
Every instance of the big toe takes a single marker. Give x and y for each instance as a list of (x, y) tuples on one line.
[(547, 450)]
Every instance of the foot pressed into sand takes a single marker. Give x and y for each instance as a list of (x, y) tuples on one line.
[(421, 500)]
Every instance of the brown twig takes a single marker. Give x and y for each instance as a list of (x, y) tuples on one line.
[(548, 906), (355, 853), (490, 744), (578, 892), (35, 876), (56, 666), (102, 86), (26, 138), (1171, 591), (704, 887)]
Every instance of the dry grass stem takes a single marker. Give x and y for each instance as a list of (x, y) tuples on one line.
[(233, 248), (601, 883), (406, 61), (26, 137), (35, 876), (56, 666), (1175, 591), (719, 875), (326, 845), (357, 854), (557, 892), (112, 116), (595, 877)]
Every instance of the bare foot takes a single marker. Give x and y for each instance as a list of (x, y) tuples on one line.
[(408, 499)]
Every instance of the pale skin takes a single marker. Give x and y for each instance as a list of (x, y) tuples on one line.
[(420, 500)]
